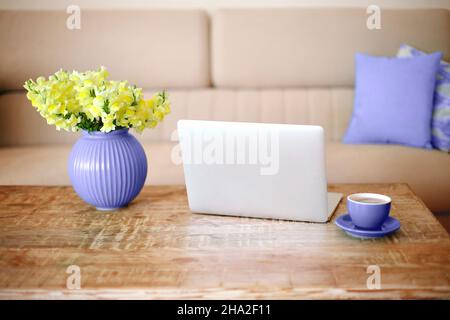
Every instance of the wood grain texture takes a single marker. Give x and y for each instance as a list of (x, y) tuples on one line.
[(157, 249)]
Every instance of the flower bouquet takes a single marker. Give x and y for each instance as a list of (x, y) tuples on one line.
[(107, 165)]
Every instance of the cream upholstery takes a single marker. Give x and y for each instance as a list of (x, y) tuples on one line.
[(427, 172), (46, 165), (277, 65), (153, 48), (330, 108), (273, 48)]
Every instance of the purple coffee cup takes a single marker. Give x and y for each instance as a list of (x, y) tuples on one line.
[(368, 210)]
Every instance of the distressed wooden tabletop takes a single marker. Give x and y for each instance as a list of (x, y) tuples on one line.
[(156, 248)]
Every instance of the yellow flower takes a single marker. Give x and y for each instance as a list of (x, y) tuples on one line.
[(99, 102), (87, 100), (108, 122), (93, 111)]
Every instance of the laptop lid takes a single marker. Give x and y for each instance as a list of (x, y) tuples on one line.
[(254, 169)]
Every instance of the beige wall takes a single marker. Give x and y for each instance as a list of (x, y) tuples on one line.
[(212, 4)]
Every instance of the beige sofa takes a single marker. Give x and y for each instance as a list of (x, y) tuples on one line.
[(264, 65)]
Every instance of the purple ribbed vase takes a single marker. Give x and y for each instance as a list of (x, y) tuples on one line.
[(107, 170)]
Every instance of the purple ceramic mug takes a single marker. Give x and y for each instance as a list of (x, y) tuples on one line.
[(368, 210)]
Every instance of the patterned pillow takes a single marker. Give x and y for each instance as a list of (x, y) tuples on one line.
[(440, 123)]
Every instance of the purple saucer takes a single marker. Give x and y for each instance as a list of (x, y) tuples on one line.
[(345, 223)]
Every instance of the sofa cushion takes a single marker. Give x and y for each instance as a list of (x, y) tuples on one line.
[(149, 48), (47, 165), (393, 100), (292, 47), (440, 123), (328, 107), (426, 171)]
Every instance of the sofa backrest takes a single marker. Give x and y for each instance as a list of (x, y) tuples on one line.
[(279, 48), (151, 48), (264, 65)]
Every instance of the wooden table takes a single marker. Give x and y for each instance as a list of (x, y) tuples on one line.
[(157, 249)]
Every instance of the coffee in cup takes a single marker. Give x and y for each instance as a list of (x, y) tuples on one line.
[(369, 200), (368, 210)]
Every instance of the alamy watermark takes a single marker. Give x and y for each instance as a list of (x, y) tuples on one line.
[(73, 281), (374, 19), (73, 21), (259, 148), (374, 280)]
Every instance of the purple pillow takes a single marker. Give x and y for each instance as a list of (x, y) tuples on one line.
[(440, 120), (393, 100)]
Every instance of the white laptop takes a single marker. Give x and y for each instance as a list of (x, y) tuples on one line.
[(256, 170)]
